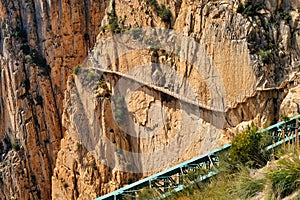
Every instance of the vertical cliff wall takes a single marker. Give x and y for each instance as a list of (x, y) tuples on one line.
[(59, 135), (41, 42), (255, 50)]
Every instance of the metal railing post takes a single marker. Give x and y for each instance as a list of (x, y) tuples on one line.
[(283, 135), (297, 136)]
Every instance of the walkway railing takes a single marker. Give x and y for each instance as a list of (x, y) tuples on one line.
[(170, 180), (91, 62)]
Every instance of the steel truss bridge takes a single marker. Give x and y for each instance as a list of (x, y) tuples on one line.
[(172, 180)]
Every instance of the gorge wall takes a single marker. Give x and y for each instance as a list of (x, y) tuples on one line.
[(61, 135), (41, 41)]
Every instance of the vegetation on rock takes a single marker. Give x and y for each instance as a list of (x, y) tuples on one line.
[(249, 8), (284, 178), (247, 148), (265, 56), (113, 21), (65, 184), (273, 182), (16, 145), (163, 12), (77, 69)]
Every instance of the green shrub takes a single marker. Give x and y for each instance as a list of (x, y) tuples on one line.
[(77, 69), (240, 8), (114, 26), (16, 145), (265, 56), (247, 148), (164, 13), (113, 21), (285, 15), (153, 4), (249, 9), (285, 177), (93, 165), (65, 184)]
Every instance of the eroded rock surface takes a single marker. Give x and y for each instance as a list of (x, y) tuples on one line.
[(64, 135)]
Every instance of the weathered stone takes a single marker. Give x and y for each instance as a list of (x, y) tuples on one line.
[(48, 114)]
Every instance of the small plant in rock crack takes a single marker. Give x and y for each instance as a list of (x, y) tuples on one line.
[(163, 12), (65, 184), (77, 69), (249, 8), (113, 21), (265, 56), (16, 145), (93, 165)]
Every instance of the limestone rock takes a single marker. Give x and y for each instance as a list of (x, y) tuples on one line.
[(290, 104), (70, 143)]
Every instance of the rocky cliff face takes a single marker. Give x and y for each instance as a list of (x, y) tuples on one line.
[(63, 135), (41, 41)]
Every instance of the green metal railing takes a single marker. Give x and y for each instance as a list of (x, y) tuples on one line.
[(170, 181)]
